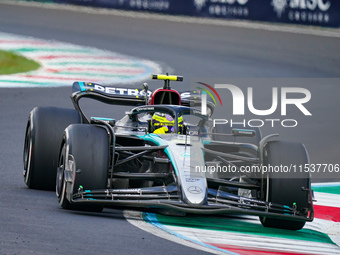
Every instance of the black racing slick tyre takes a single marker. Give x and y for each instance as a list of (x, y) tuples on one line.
[(87, 148), (287, 188), (44, 133)]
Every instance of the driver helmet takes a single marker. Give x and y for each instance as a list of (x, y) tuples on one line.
[(165, 122)]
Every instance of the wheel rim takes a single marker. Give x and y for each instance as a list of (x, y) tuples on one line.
[(60, 184), (28, 148)]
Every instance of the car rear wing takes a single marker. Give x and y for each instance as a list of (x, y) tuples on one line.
[(125, 96), (106, 94), (109, 94)]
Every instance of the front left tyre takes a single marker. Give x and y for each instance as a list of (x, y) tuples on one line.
[(287, 188), (44, 133)]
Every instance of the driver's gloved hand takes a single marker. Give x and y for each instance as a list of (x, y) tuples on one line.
[(161, 130)]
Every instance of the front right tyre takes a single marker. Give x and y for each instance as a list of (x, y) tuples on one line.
[(85, 149)]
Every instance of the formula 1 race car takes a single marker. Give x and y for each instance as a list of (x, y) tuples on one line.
[(164, 155)]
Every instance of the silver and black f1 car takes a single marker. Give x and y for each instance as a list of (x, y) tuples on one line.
[(194, 168)]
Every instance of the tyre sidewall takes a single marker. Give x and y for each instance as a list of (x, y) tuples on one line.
[(46, 126)]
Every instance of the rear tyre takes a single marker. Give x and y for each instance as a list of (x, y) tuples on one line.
[(287, 188), (44, 132), (88, 147)]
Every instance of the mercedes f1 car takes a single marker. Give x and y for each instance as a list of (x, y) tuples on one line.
[(95, 161)]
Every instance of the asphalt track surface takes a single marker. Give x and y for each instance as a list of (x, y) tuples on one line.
[(31, 221)]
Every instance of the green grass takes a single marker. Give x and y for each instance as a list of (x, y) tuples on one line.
[(11, 63)]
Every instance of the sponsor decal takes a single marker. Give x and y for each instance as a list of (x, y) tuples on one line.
[(279, 6), (308, 11), (147, 108), (231, 8), (195, 190), (119, 91), (195, 112), (185, 95), (152, 5), (194, 132), (192, 179), (185, 154), (139, 191), (199, 4)]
